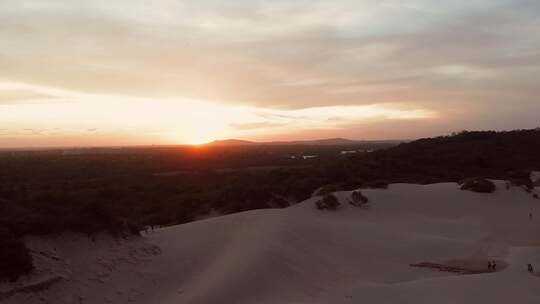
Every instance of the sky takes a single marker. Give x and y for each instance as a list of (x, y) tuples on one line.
[(132, 72)]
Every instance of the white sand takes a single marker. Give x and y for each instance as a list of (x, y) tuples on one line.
[(303, 255)]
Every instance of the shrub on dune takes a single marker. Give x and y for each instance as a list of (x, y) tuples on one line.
[(328, 202), (477, 184), (358, 199), (521, 179), (96, 217), (326, 190)]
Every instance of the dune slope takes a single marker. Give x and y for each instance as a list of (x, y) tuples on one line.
[(304, 255)]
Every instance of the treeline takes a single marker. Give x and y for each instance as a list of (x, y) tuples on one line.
[(490, 154)]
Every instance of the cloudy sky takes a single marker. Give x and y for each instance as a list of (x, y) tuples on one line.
[(81, 72)]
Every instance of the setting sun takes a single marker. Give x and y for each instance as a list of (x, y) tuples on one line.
[(119, 120)]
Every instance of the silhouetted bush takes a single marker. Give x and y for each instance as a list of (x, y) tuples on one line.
[(96, 217), (358, 199), (328, 202), (521, 179), (278, 202), (133, 229), (327, 189), (15, 258), (478, 185), (536, 183)]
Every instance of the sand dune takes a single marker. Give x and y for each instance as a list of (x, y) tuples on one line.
[(304, 255)]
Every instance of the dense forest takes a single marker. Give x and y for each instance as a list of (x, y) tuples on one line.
[(123, 190)]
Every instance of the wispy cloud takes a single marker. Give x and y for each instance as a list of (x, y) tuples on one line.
[(256, 125), (282, 58), (182, 120)]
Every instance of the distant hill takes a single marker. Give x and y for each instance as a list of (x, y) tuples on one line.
[(323, 142), (231, 142), (317, 142)]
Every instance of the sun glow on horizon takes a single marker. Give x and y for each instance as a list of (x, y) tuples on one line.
[(65, 113)]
